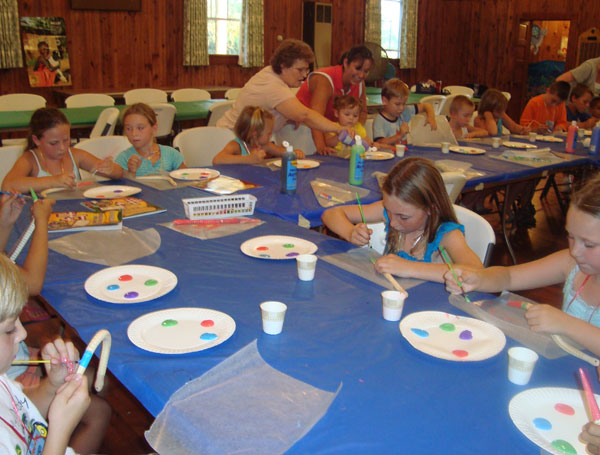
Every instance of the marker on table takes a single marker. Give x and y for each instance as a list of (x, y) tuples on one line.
[(449, 264), (589, 396), (15, 194), (329, 197)]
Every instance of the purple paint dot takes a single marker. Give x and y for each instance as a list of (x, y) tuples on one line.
[(208, 336), (112, 287), (118, 191), (420, 333), (291, 255), (131, 295), (466, 335)]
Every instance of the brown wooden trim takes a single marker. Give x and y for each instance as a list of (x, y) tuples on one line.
[(217, 59)]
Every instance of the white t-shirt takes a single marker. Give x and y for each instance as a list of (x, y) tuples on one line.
[(265, 89), (14, 439)]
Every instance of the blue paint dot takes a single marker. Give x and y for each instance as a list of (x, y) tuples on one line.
[(112, 287), (208, 336), (542, 424), (420, 332)]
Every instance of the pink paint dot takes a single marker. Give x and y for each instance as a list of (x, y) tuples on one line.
[(262, 248), (100, 196), (564, 409), (460, 353), (207, 323), (125, 278)]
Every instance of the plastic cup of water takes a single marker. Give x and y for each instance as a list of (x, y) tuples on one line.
[(400, 149), (393, 304), (273, 314), (307, 264), (496, 142), (532, 136), (445, 147), (520, 364)]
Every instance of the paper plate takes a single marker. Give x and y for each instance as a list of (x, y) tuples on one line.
[(519, 145), (111, 191), (194, 173), (548, 138), (551, 417), (130, 283), (464, 150), (301, 164), (277, 247), (180, 330), (378, 156), (452, 337)]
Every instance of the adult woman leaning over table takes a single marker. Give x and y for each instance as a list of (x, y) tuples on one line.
[(347, 78), (271, 89), (588, 73)]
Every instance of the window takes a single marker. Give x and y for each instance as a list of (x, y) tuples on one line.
[(223, 19), (391, 18)]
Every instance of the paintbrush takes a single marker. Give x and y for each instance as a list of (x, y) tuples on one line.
[(15, 194), (29, 362), (362, 215), (449, 264), (392, 280), (589, 396)]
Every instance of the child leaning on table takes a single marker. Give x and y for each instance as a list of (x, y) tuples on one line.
[(391, 124), (595, 108), (578, 267), (546, 113), (419, 218), (42, 421), (578, 107), (492, 116), (461, 111), (49, 161), (253, 130), (145, 156)]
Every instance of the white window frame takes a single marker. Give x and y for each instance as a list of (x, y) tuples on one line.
[(221, 21), (392, 49)]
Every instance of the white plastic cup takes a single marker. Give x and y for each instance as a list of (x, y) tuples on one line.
[(393, 304), (400, 149), (520, 364), (532, 136), (307, 264), (496, 142), (445, 147), (273, 314)]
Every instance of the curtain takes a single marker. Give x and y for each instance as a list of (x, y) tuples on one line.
[(373, 21), (252, 51), (195, 33), (10, 40), (408, 31)]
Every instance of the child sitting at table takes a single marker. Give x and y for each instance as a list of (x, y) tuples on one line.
[(461, 111), (492, 116), (578, 107), (578, 267), (253, 130), (391, 124), (50, 162), (546, 113), (419, 218), (145, 156), (43, 420), (595, 108)]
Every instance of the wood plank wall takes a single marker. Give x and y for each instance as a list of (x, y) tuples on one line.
[(460, 41)]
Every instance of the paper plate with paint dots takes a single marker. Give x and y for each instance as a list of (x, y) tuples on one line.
[(543, 138), (518, 145), (452, 337), (551, 417), (130, 283), (111, 191), (277, 247), (194, 173), (301, 164), (378, 156), (180, 330), (464, 150)]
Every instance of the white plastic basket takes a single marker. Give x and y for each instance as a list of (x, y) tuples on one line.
[(211, 207)]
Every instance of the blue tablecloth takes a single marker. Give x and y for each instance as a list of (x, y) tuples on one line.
[(394, 398)]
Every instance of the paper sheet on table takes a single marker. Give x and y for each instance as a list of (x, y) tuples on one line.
[(358, 262), (63, 194), (163, 182), (214, 231), (241, 406), (463, 167), (421, 134), (511, 320), (108, 248), (531, 158), (329, 193)]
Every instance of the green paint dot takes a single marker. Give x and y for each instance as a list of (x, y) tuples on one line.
[(288, 245), (150, 282), (169, 323), (564, 447), (448, 327)]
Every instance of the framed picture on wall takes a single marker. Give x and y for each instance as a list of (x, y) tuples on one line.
[(108, 5)]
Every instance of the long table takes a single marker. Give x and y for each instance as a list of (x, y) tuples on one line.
[(394, 398)]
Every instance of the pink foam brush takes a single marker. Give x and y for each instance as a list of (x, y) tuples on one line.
[(589, 395)]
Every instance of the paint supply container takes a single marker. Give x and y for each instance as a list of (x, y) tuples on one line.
[(288, 170), (393, 304), (307, 263), (520, 364), (273, 314), (400, 149), (357, 162), (496, 142), (532, 136), (445, 147)]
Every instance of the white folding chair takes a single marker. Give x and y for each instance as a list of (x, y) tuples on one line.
[(216, 111), (507, 95), (460, 90), (21, 102), (300, 138), (435, 100), (145, 95), (478, 233), (165, 116), (232, 93), (89, 99), (9, 154), (199, 145), (104, 146), (454, 183), (106, 123), (369, 127), (190, 94)]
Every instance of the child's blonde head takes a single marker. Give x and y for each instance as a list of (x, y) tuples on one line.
[(395, 88), (492, 101), (345, 102), (251, 122), (587, 199), (143, 110), (12, 288), (459, 103)]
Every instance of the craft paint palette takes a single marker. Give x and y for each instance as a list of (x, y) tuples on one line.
[(301, 164), (378, 156), (111, 191), (452, 337), (518, 145), (464, 150), (192, 173), (128, 284), (552, 418), (181, 330), (277, 247)]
